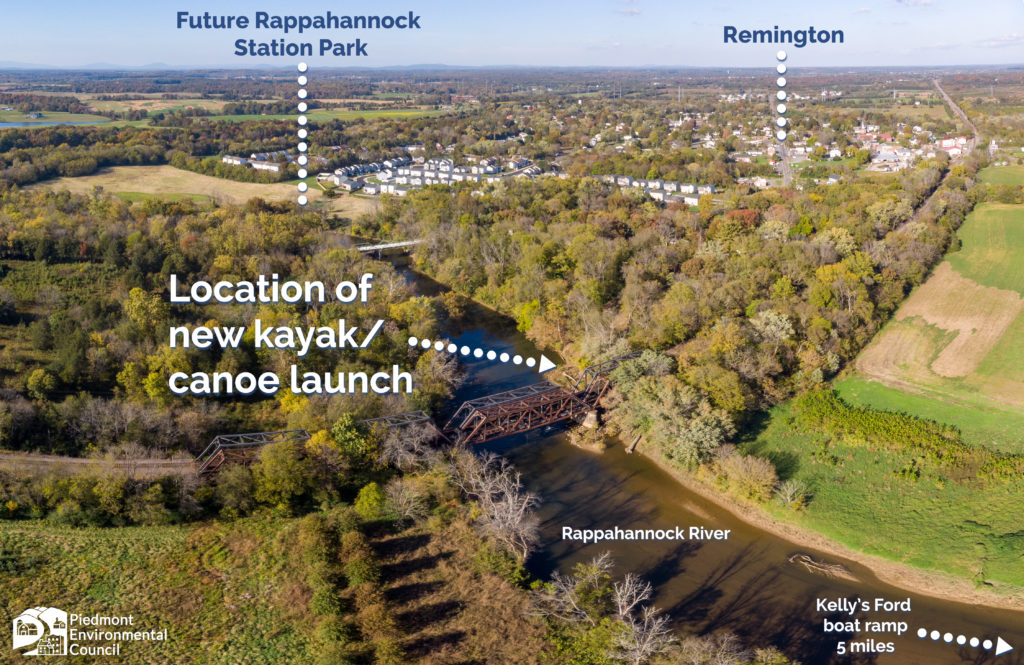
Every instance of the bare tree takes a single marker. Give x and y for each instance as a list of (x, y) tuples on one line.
[(409, 448), (405, 499), (507, 509), (644, 636), (574, 598), (630, 593), (722, 649)]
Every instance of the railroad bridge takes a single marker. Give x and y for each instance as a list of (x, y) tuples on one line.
[(476, 421)]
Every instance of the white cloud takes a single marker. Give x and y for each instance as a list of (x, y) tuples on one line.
[(915, 3), (632, 11), (1012, 39)]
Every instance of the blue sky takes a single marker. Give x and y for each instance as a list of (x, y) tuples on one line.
[(531, 32)]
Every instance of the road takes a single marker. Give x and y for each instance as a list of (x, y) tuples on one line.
[(787, 168), (971, 142), (968, 149)]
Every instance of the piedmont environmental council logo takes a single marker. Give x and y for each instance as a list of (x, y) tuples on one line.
[(46, 628), (54, 632)]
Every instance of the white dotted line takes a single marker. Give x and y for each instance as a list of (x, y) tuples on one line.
[(453, 348), (948, 638), (781, 122), (303, 147)]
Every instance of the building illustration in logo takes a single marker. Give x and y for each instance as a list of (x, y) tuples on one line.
[(45, 628)]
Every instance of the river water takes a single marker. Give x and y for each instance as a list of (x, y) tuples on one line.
[(745, 584)]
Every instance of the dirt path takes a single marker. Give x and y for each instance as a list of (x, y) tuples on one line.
[(143, 468)]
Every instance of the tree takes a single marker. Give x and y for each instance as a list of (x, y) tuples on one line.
[(371, 502), (148, 312), (506, 509), (282, 476), (234, 490), (40, 383)]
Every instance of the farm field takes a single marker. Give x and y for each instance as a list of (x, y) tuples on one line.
[(1003, 175), (952, 350), (859, 499), (137, 182), (51, 116)]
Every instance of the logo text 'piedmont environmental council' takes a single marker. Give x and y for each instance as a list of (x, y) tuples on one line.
[(53, 632)]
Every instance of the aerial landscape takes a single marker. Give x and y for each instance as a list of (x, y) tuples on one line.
[(562, 357)]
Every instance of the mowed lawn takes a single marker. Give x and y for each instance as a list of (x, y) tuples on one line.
[(857, 498), (1003, 175), (953, 350)]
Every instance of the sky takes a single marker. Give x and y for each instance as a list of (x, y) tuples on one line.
[(613, 33)]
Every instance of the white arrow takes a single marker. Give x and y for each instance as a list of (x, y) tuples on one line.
[(1001, 645), (544, 364)]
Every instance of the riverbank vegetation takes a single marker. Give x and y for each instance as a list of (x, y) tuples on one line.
[(742, 305)]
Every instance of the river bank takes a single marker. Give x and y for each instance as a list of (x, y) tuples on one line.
[(930, 583)]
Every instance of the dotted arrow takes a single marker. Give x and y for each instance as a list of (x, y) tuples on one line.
[(1001, 645), (543, 364)]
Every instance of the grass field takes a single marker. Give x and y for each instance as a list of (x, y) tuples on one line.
[(137, 182), (952, 350), (930, 523), (227, 593), (1003, 175), (51, 116)]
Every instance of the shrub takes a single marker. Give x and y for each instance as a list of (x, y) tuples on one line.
[(746, 476), (371, 502)]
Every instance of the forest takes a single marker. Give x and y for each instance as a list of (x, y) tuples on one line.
[(745, 303)]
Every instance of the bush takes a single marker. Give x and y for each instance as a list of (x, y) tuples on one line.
[(371, 502), (746, 476), (362, 570)]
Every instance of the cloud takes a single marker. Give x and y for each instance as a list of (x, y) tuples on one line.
[(862, 10), (1012, 39), (915, 3), (632, 11)]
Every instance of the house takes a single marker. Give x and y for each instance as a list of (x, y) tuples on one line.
[(273, 167), (517, 163), (705, 189), (691, 200), (234, 161), (835, 153), (347, 184), (371, 188)]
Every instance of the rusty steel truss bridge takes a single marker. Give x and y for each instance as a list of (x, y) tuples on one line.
[(476, 421)]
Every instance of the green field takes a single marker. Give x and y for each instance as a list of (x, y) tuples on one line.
[(993, 246), (51, 116), (227, 593), (980, 422), (859, 500), (1003, 175), (952, 351)]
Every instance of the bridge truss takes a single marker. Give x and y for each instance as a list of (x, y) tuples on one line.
[(241, 448)]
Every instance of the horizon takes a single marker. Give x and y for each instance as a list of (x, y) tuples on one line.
[(608, 33)]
